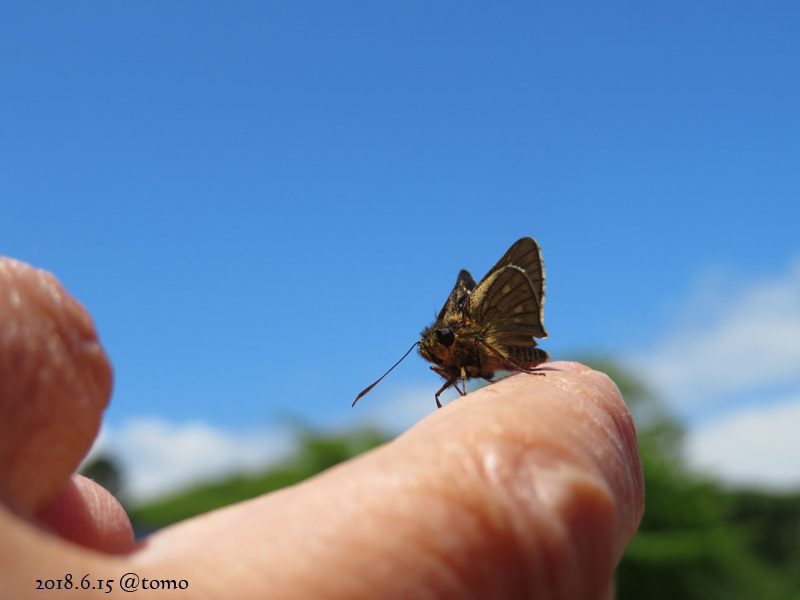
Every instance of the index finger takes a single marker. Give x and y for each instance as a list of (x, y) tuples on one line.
[(530, 487)]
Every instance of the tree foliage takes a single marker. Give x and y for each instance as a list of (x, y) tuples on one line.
[(698, 539)]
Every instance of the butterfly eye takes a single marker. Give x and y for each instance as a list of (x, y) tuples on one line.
[(446, 337)]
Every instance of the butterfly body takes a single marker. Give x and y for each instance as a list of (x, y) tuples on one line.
[(470, 358), (488, 326)]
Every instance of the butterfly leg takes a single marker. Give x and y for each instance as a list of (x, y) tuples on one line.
[(446, 385), (463, 382)]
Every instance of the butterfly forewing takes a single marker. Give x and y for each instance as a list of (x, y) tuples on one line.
[(507, 303), (455, 302), (524, 253)]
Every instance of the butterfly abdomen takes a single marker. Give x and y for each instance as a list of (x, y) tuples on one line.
[(528, 356)]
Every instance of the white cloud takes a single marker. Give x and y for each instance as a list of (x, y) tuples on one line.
[(755, 447), (732, 341), (159, 457), (730, 367)]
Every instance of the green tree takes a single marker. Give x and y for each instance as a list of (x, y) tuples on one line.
[(105, 470), (693, 541)]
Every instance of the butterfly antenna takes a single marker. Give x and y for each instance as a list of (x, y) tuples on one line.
[(384, 375)]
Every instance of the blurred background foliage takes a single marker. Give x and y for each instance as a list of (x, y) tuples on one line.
[(697, 539)]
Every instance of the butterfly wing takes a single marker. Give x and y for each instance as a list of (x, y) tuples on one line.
[(505, 304), (524, 253), (455, 302)]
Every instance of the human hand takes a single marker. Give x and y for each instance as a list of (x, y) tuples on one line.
[(530, 487)]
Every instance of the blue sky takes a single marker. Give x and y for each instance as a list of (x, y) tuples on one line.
[(263, 204)]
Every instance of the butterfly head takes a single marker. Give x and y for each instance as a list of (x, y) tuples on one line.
[(436, 344)]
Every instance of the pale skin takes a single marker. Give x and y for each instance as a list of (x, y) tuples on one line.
[(528, 488)]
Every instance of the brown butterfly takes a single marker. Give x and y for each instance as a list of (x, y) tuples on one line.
[(489, 326)]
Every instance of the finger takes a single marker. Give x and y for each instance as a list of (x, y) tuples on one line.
[(87, 514), (530, 487), (55, 382)]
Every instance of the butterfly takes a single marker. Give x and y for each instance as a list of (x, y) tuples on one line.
[(490, 326)]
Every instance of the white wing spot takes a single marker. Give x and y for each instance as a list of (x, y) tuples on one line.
[(506, 288)]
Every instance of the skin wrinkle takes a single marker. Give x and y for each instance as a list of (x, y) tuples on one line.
[(432, 538), (496, 533), (508, 521), (444, 552), (369, 527), (445, 555), (534, 510), (483, 545), (512, 511)]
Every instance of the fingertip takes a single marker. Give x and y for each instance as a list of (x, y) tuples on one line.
[(558, 454), (55, 381), (581, 411)]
